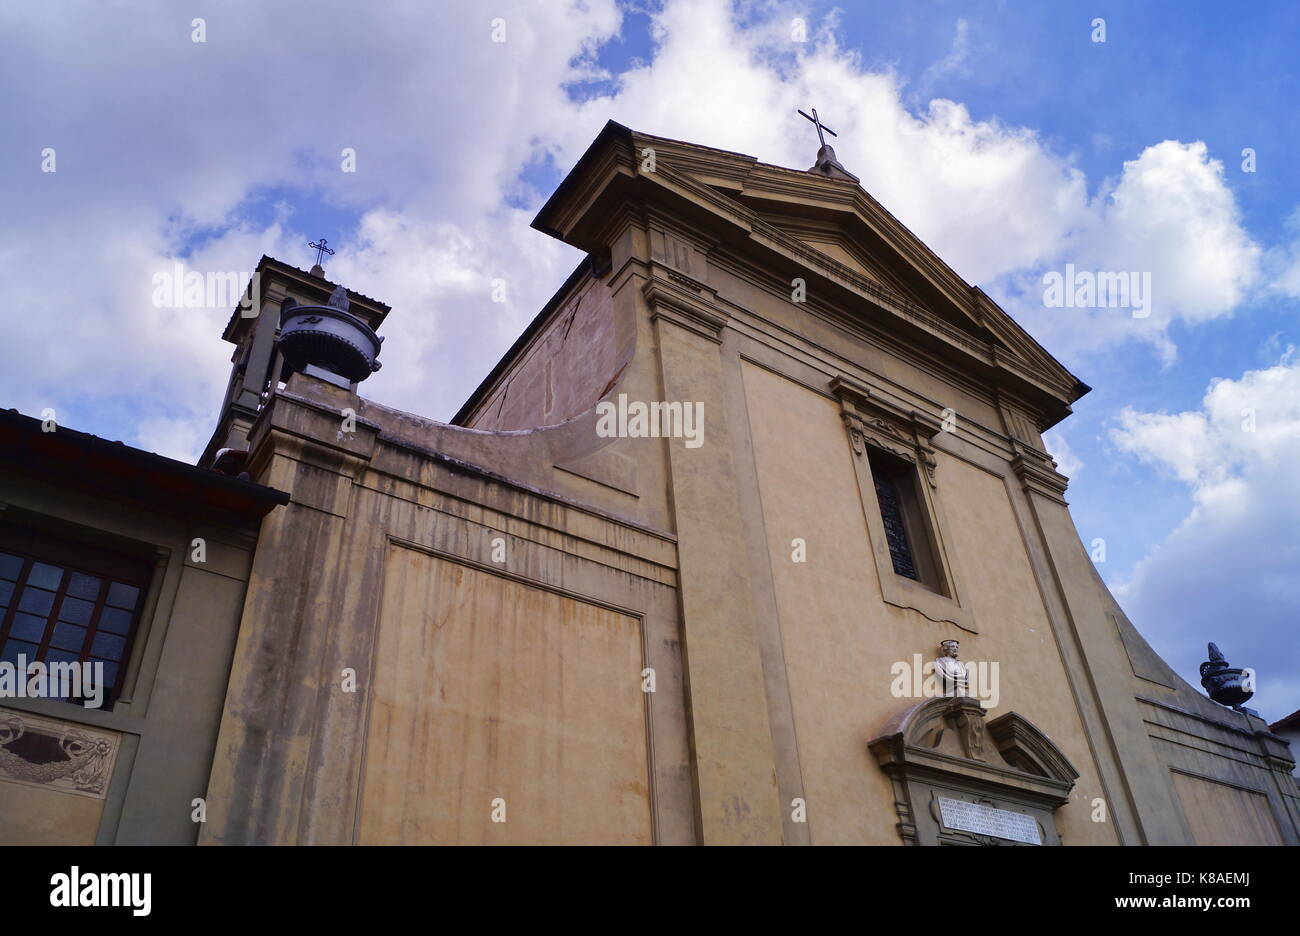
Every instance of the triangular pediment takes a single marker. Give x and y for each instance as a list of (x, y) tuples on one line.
[(842, 221), (838, 218), (808, 219), (841, 239), (831, 238), (843, 251)]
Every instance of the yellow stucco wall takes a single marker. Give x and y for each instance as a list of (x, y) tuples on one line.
[(1220, 814), (33, 816), (485, 688), (840, 639)]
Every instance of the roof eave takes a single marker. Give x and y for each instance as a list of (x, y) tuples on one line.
[(66, 455)]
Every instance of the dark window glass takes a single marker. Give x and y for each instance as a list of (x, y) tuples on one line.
[(10, 566), (28, 627), (84, 586), (76, 611), (122, 596), (904, 515), (110, 671), (52, 612), (15, 647), (36, 601), (115, 620), (44, 575), (108, 646), (68, 637), (891, 512)]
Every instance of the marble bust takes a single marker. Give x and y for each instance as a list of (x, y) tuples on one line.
[(951, 673)]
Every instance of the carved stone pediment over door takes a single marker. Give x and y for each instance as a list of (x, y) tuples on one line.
[(959, 780)]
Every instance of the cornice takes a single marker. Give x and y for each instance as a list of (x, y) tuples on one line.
[(848, 197), (772, 237), (610, 155), (860, 327), (613, 155), (700, 160), (1037, 476), (852, 391), (675, 297), (871, 419)]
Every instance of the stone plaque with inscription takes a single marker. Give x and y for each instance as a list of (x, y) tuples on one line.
[(989, 820), (961, 781)]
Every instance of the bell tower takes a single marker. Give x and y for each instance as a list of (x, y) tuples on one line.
[(290, 320)]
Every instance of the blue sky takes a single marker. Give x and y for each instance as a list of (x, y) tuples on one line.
[(1000, 132)]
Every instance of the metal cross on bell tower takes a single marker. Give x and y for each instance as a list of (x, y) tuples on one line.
[(322, 249)]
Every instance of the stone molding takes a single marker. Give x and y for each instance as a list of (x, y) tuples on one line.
[(672, 301), (1030, 463), (945, 747), (56, 755), (871, 420)]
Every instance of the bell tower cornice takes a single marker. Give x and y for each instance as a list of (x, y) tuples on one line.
[(281, 296)]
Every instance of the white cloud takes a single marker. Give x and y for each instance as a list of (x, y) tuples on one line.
[(1283, 261), (1068, 463), (954, 63), (1179, 442), (1172, 214), (1228, 573), (159, 138), (990, 199), (1169, 214), (1244, 425), (173, 437)]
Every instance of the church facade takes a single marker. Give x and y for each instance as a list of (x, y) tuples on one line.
[(750, 538)]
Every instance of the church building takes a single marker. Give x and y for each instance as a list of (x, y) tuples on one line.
[(750, 538)]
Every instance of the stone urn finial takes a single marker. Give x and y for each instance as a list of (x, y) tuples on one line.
[(1223, 682)]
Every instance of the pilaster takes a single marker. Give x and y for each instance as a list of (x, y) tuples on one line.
[(733, 752)]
